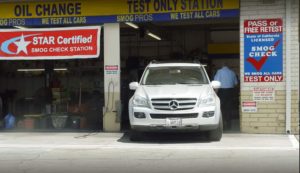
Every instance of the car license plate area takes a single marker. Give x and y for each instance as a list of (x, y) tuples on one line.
[(173, 122)]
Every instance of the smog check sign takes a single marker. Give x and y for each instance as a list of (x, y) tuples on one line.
[(263, 50), (54, 43)]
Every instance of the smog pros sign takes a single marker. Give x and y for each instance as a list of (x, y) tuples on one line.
[(54, 43), (263, 50)]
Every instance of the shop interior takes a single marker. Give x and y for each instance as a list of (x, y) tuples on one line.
[(211, 42), (57, 95)]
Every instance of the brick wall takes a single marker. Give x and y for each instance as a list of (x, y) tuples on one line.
[(270, 116)]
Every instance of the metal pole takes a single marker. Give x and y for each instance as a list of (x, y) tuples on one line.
[(288, 66)]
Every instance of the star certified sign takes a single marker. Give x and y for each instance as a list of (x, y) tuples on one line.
[(54, 43), (173, 104), (22, 45), (19, 42)]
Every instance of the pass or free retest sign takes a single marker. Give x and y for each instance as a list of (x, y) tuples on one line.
[(50, 43), (263, 57)]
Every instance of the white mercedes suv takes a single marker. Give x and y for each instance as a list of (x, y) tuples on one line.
[(175, 97)]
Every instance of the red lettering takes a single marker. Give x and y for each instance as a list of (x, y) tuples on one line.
[(263, 26), (269, 78)]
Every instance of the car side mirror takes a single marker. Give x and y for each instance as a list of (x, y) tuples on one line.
[(215, 84), (133, 85)]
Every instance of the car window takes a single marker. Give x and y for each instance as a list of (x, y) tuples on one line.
[(174, 75)]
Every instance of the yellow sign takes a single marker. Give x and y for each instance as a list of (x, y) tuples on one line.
[(109, 7), (116, 10)]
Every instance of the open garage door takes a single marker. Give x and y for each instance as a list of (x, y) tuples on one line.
[(212, 42)]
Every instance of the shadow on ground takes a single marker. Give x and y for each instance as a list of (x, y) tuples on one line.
[(167, 138)]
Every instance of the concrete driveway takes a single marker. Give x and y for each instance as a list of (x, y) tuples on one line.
[(113, 152)]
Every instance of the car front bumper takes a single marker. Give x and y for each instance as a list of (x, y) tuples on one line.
[(184, 123)]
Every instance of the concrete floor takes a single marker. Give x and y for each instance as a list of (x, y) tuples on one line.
[(113, 152)]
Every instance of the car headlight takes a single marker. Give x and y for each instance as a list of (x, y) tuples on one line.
[(208, 100), (140, 101)]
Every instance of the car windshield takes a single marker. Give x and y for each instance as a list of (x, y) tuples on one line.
[(174, 75)]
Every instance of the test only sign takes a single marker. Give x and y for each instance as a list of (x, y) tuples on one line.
[(263, 40), (50, 43)]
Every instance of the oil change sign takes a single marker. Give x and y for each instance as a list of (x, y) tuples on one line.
[(54, 43), (112, 11), (263, 50)]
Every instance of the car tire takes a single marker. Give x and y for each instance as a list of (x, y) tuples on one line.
[(135, 136), (216, 135)]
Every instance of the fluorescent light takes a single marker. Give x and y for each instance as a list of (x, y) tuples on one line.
[(32, 69), (20, 27), (132, 25), (60, 69), (154, 36), (40, 69)]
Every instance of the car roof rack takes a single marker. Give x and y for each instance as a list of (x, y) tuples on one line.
[(154, 62), (175, 61)]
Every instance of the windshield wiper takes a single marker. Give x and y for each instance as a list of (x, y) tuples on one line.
[(185, 83)]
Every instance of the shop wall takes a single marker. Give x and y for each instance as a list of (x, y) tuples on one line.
[(25, 86), (221, 37), (178, 41), (224, 36), (28, 87), (186, 42), (270, 115)]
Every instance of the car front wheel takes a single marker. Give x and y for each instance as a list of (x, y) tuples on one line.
[(216, 135), (135, 135)]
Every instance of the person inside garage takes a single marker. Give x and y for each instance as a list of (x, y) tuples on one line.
[(228, 80)]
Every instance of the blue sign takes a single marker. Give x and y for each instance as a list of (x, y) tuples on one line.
[(92, 20), (263, 56)]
